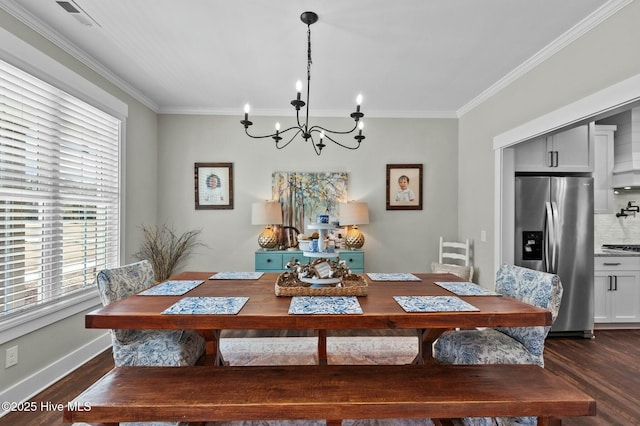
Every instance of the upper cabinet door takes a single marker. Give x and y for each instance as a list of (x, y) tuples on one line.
[(573, 149), (603, 169), (532, 156), (568, 151)]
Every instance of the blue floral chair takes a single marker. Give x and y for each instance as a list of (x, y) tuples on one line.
[(506, 345), (145, 347)]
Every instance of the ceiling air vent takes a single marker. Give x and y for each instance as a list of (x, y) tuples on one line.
[(68, 7), (76, 11)]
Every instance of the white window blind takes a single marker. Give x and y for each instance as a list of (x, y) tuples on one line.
[(59, 192)]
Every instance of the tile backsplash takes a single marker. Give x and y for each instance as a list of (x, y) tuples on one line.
[(609, 229)]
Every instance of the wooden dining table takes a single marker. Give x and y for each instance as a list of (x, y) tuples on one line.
[(266, 311)]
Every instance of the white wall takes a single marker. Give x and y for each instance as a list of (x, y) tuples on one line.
[(399, 241), (600, 58)]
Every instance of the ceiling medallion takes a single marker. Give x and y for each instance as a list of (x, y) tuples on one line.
[(317, 134)]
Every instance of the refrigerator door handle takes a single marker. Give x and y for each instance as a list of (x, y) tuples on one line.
[(549, 238), (555, 251)]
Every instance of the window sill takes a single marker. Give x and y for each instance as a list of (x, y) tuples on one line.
[(14, 327)]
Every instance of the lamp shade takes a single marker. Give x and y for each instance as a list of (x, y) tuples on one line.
[(266, 213), (354, 214)]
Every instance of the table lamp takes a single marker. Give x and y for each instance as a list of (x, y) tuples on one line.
[(354, 214), (267, 213)]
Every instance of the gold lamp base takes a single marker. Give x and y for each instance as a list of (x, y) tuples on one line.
[(267, 238), (354, 239)]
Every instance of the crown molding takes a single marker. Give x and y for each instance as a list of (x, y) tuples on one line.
[(574, 33), (18, 12), (176, 110)]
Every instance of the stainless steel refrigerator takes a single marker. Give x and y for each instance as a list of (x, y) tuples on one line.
[(554, 233)]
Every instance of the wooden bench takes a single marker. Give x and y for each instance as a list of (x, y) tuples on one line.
[(199, 394)]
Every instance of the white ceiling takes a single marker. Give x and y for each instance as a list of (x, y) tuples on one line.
[(414, 58)]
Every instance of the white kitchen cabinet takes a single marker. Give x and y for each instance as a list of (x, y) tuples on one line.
[(567, 151), (617, 289), (603, 169)]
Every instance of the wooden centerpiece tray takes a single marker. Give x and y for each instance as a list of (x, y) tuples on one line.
[(349, 285)]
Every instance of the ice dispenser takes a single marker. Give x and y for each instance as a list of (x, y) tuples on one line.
[(532, 245)]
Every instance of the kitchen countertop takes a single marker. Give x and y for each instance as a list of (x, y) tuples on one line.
[(610, 253)]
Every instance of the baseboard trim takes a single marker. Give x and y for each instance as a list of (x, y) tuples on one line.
[(42, 379), (617, 326)]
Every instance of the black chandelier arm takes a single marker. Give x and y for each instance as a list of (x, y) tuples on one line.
[(290, 140), (341, 144), (246, 130), (316, 148), (304, 125), (317, 128)]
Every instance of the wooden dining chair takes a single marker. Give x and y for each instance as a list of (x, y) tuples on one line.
[(145, 347), (464, 272), (454, 258), (506, 345)]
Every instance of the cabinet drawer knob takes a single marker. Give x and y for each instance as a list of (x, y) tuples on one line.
[(268, 260)]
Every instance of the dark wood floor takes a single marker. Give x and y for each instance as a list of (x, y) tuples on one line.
[(607, 368)]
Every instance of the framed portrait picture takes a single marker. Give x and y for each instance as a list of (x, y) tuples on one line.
[(214, 185), (404, 186)]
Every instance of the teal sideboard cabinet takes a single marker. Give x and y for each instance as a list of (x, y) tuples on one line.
[(276, 260)]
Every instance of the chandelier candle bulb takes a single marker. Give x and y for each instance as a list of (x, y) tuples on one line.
[(358, 102), (298, 89), (321, 144), (277, 137), (246, 123)]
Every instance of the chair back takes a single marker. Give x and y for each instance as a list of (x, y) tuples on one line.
[(536, 288), (118, 283), (455, 253), (454, 258)]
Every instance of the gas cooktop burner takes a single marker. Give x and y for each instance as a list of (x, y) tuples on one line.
[(623, 247)]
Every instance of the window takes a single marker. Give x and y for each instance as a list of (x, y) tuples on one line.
[(59, 193)]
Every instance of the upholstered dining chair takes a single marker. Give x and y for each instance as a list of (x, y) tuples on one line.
[(506, 345), (145, 347)]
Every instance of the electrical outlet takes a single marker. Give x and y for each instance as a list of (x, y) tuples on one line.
[(11, 357)]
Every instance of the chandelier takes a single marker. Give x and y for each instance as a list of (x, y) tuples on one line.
[(317, 134)]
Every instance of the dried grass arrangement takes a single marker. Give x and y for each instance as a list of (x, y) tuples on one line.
[(165, 248)]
